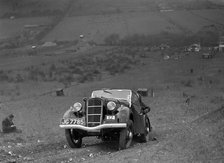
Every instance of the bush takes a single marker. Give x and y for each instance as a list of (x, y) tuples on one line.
[(4, 76), (79, 69), (206, 36), (188, 83), (19, 78), (113, 39)]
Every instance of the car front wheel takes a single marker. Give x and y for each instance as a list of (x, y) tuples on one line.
[(73, 138), (126, 136), (146, 135)]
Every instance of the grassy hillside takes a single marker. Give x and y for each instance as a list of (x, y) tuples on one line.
[(30, 8), (27, 8), (34, 102), (187, 4), (104, 7), (97, 27)]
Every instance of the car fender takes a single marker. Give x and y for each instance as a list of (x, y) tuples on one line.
[(124, 114)]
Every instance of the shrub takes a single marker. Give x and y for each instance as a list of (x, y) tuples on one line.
[(19, 78), (36, 74), (78, 69), (207, 37), (66, 78), (4, 76), (188, 83), (112, 39)]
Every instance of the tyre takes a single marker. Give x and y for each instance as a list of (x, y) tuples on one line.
[(126, 136), (73, 138), (145, 136)]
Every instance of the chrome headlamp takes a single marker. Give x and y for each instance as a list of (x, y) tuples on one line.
[(111, 105), (76, 107)]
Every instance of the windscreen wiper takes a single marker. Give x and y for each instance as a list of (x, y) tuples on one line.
[(106, 91)]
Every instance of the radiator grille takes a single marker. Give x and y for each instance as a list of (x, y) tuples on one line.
[(94, 112)]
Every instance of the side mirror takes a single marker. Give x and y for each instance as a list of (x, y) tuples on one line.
[(143, 92)]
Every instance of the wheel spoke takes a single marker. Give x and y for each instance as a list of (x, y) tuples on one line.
[(76, 140)]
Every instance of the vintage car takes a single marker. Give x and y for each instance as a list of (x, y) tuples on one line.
[(207, 55), (194, 48), (109, 114), (208, 52)]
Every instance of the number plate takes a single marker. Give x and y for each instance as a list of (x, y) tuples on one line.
[(77, 121), (110, 117)]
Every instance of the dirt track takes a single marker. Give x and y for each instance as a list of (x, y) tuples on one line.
[(198, 140)]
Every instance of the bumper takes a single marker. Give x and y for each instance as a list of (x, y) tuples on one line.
[(96, 128)]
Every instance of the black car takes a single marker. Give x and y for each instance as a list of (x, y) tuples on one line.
[(108, 114)]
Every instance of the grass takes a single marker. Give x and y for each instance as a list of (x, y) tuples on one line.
[(78, 69), (32, 8), (188, 83), (34, 13), (125, 53), (204, 36)]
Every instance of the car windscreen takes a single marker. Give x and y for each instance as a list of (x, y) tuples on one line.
[(117, 94)]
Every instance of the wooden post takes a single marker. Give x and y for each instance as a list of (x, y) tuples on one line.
[(152, 93), (60, 92)]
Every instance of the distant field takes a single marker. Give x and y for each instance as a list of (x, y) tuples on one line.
[(90, 7), (25, 8), (10, 28), (97, 27), (99, 18), (215, 16), (187, 21)]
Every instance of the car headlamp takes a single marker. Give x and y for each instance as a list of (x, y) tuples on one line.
[(111, 105), (76, 107)]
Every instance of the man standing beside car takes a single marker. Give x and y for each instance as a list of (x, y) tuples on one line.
[(145, 108)]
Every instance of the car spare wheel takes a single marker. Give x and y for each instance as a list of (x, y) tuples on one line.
[(146, 135), (73, 138), (126, 136)]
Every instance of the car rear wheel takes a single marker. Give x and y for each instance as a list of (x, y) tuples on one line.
[(126, 136), (145, 136), (73, 138)]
